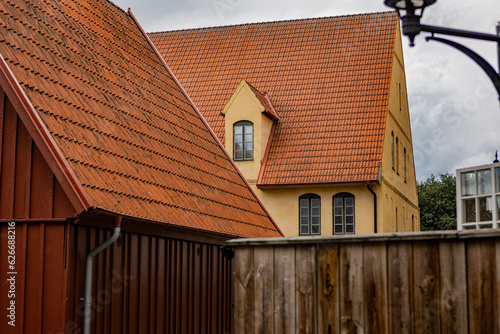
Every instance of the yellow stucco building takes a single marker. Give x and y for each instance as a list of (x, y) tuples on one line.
[(314, 113)]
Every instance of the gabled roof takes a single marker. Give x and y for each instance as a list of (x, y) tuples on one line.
[(261, 99), (328, 79), (116, 122)]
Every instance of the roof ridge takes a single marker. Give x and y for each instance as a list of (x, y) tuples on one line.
[(272, 22)]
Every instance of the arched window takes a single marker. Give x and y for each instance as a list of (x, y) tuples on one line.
[(397, 155), (243, 141), (392, 149), (343, 213), (310, 214), (404, 164)]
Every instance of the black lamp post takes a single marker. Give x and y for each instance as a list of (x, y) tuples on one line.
[(410, 12)]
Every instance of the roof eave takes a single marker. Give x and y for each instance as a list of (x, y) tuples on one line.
[(318, 184)]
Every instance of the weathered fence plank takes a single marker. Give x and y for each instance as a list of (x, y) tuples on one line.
[(426, 287), (263, 289), (244, 290), (453, 287), (375, 287), (305, 264), (351, 285), (399, 286), (483, 300), (328, 289), (284, 289)]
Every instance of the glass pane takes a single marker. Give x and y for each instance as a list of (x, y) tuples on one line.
[(337, 202), (238, 154), (349, 229), (315, 229), (304, 229), (484, 181), (304, 221), (498, 207), (248, 129), (497, 178), (338, 220), (315, 211), (468, 184), (238, 139), (304, 202), (248, 154), (338, 211), (304, 212), (315, 221), (349, 220), (338, 229), (238, 130), (349, 201), (485, 209), (470, 210), (349, 210), (315, 202), (248, 138)]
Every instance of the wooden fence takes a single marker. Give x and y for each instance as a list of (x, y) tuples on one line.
[(446, 282)]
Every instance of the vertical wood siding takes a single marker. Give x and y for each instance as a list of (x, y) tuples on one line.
[(28, 188), (388, 285), (40, 277), (149, 284)]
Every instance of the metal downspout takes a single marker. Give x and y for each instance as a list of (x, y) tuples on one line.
[(374, 208), (88, 275)]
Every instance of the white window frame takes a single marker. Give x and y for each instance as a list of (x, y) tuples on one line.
[(495, 222)]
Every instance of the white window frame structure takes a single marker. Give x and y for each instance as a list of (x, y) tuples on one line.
[(478, 195)]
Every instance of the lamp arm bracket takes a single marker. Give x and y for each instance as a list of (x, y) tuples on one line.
[(460, 33), (490, 71)]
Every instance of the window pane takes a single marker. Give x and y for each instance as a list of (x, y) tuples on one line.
[(315, 229), (468, 184), (304, 202), (498, 207), (304, 229), (315, 212), (249, 130), (338, 229), (248, 154), (349, 210), (338, 220), (485, 209), (238, 154), (248, 138), (349, 201), (338, 211), (238, 130), (349, 220), (349, 229), (484, 181), (470, 210), (337, 202), (497, 170), (238, 139)]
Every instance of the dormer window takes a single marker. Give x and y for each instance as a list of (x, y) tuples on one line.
[(243, 141)]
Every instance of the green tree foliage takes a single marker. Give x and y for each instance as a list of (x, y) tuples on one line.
[(437, 201)]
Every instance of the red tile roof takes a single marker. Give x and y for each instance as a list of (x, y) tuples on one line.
[(119, 119), (328, 79), (264, 99)]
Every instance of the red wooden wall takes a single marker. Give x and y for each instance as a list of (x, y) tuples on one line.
[(150, 284)]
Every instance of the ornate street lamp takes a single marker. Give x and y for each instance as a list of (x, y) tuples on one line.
[(410, 12)]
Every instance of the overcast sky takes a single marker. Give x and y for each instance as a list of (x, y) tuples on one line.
[(454, 108)]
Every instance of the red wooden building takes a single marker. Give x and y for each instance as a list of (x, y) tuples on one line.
[(96, 133)]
